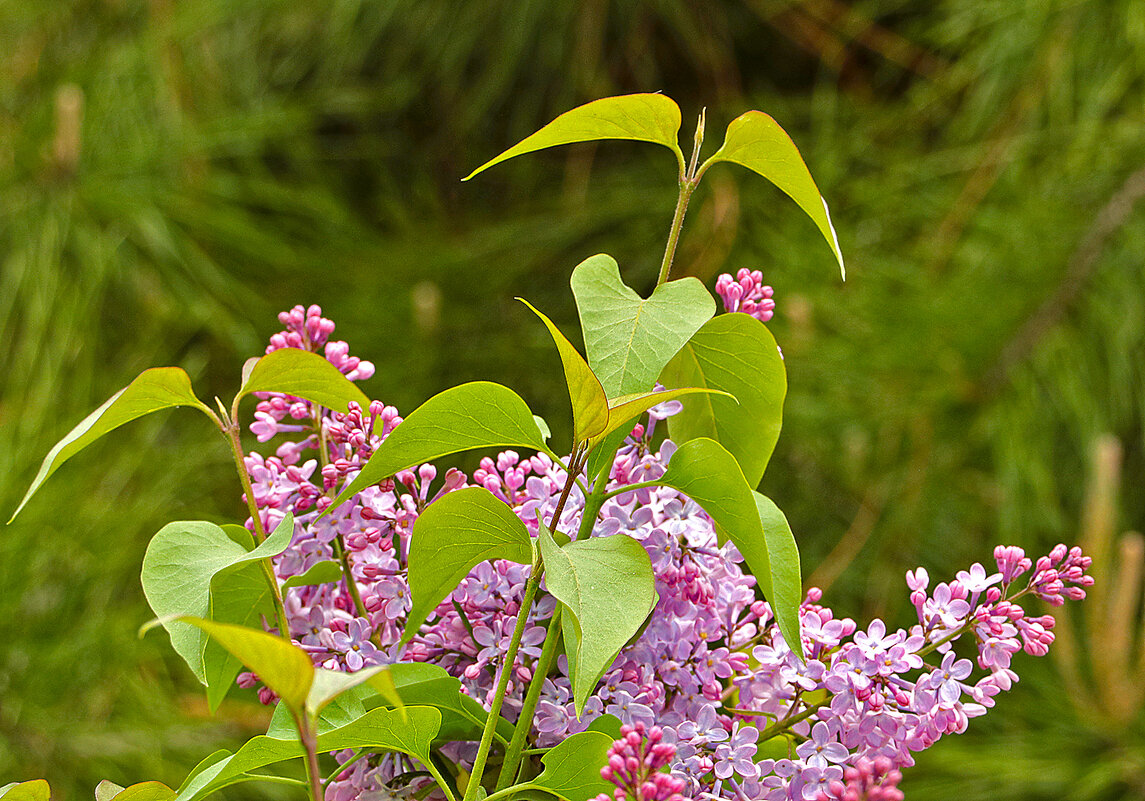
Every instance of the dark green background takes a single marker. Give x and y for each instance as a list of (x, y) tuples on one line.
[(172, 174)]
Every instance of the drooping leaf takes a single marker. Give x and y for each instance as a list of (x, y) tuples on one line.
[(325, 572), (783, 555), (182, 561), (242, 596), (453, 535), (152, 390), (629, 339), (383, 729), (329, 684), (707, 473), (755, 140), (627, 408), (572, 767), (479, 414), (589, 406), (606, 588), (282, 666), (303, 374), (34, 790), (737, 354), (642, 117)]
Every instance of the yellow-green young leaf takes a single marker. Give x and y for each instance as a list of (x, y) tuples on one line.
[(479, 414), (283, 667), (329, 684), (107, 790), (754, 140), (707, 473), (143, 791), (152, 390), (35, 790), (735, 353), (453, 535), (642, 117), (629, 339), (304, 375), (589, 406), (627, 408), (324, 572), (606, 588)]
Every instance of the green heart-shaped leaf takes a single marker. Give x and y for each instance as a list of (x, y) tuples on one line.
[(453, 535), (152, 390), (629, 339), (754, 140), (737, 354), (607, 590), (303, 374), (641, 117), (475, 415), (572, 767), (708, 474)]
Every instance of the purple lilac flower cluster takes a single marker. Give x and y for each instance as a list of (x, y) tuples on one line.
[(867, 780), (634, 766), (711, 673)]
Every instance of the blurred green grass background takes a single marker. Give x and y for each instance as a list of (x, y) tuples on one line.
[(174, 173)]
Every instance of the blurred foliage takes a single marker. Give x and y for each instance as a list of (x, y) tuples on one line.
[(173, 173)]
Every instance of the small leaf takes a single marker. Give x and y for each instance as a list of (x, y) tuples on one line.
[(34, 790), (380, 729), (589, 406), (754, 140), (543, 427), (475, 415), (143, 791), (737, 354), (607, 589), (627, 408), (628, 339), (453, 535), (179, 567), (303, 374), (107, 790), (707, 473), (572, 767), (152, 390), (641, 117), (329, 684), (282, 666), (324, 572)]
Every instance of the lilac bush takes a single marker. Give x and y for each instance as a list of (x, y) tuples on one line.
[(621, 618)]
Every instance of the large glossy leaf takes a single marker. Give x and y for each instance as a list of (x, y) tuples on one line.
[(152, 390), (453, 535), (303, 374), (34, 790), (783, 555), (629, 339), (282, 666), (589, 405), (182, 561), (754, 140), (475, 415), (383, 729), (572, 767), (607, 590), (642, 117), (737, 354), (708, 474)]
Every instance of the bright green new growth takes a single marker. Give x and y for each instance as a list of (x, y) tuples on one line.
[(642, 117), (452, 536), (704, 471), (607, 590), (754, 140), (152, 390), (304, 375), (737, 354)]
